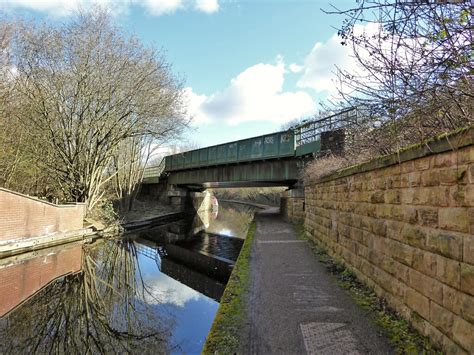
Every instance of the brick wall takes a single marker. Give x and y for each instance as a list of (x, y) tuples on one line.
[(20, 280), (407, 230), (23, 216)]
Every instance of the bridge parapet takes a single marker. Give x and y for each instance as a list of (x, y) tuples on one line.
[(271, 146), (152, 173)]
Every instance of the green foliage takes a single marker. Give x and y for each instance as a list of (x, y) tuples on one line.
[(105, 213), (404, 338), (109, 211), (225, 334)]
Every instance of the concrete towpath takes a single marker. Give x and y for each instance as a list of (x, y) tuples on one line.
[(295, 305)]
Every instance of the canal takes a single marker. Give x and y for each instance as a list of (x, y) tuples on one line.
[(148, 291)]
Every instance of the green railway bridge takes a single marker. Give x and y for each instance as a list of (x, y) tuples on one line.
[(273, 159)]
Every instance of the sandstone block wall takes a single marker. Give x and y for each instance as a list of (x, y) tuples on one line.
[(407, 230), (292, 205), (23, 216)]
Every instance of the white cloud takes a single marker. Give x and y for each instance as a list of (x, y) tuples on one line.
[(160, 7), (164, 289), (56, 7), (320, 65), (194, 103), (256, 94), (153, 7), (208, 6), (295, 68)]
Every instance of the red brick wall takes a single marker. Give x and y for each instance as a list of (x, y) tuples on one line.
[(20, 281), (22, 216), (407, 230)]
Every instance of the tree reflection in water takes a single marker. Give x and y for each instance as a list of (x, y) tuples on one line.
[(101, 309)]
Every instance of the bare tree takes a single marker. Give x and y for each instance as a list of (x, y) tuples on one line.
[(184, 146), (415, 66), (128, 166), (295, 122), (86, 87), (14, 157), (5, 38), (6, 165)]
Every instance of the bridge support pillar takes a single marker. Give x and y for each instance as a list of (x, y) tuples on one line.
[(179, 197), (189, 200), (292, 204)]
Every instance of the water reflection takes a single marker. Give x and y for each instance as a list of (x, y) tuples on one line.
[(100, 309), (209, 242), (23, 275), (233, 220), (151, 291)]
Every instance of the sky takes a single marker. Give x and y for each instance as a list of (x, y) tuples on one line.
[(249, 66)]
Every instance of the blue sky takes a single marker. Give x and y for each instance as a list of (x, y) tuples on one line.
[(250, 66)]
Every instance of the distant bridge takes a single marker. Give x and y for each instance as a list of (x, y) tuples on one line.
[(270, 160)]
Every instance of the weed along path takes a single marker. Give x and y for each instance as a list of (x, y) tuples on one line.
[(295, 305)]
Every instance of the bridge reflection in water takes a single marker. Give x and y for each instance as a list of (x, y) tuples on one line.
[(153, 290), (193, 252)]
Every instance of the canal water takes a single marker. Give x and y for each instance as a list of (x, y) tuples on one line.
[(149, 291)]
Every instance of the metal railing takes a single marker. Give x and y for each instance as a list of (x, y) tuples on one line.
[(152, 253), (311, 131), (154, 171)]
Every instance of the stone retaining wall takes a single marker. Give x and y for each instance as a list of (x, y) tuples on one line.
[(292, 205), (407, 230), (23, 216)]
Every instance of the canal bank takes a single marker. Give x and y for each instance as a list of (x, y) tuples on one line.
[(153, 289), (28, 223), (227, 333)]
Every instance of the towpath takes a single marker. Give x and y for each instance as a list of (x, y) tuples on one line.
[(295, 305)]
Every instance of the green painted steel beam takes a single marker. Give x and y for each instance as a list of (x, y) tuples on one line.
[(268, 159), (270, 171), (151, 180), (270, 146), (308, 148)]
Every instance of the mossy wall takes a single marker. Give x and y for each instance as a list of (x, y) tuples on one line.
[(406, 228)]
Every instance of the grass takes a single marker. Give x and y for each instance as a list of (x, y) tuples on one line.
[(404, 338), (226, 330)]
